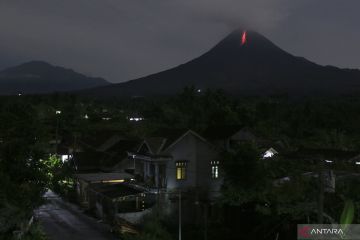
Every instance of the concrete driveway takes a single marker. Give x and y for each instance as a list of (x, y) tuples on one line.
[(64, 221)]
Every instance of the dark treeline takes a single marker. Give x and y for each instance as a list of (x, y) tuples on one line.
[(323, 121)]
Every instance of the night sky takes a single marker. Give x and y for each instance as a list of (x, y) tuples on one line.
[(125, 39)]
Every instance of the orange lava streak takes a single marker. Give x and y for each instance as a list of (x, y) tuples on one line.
[(243, 38)]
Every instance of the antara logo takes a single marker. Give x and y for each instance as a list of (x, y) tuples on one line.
[(327, 231), (304, 232), (311, 232)]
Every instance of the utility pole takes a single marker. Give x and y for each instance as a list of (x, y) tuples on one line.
[(57, 113), (158, 203), (179, 214), (321, 191), (205, 221), (74, 144)]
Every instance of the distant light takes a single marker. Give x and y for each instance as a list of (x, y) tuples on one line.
[(268, 154), (19, 94), (199, 90), (106, 118), (86, 116), (136, 119), (57, 112), (65, 158), (328, 161), (357, 163)]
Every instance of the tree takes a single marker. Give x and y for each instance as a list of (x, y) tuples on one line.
[(246, 179), (23, 181), (270, 187)]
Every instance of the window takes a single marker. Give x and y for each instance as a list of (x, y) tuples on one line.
[(180, 170), (215, 169)]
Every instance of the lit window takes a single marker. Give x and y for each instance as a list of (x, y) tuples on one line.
[(180, 170), (215, 169)]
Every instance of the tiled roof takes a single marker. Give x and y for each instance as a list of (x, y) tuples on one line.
[(221, 132), (115, 190), (316, 153), (162, 138), (99, 177)]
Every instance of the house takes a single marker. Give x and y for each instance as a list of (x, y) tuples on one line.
[(62, 147), (228, 136), (178, 159), (85, 181), (334, 164), (100, 186), (102, 154), (269, 153), (110, 200), (330, 157)]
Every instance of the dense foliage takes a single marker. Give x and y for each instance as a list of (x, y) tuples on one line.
[(23, 180)]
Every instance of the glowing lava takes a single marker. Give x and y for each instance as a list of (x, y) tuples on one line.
[(243, 38)]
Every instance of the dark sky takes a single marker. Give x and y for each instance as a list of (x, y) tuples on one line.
[(125, 39)]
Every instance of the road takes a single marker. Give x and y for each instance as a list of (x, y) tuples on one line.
[(63, 221)]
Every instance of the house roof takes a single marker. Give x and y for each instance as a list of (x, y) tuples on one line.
[(92, 160), (115, 190), (221, 132), (316, 153), (272, 150), (186, 133), (155, 144), (164, 140), (278, 145), (110, 142), (101, 177), (100, 140)]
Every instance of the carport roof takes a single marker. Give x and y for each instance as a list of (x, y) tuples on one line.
[(103, 177)]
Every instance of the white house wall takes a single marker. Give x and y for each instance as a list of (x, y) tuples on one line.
[(184, 150), (206, 154), (198, 155)]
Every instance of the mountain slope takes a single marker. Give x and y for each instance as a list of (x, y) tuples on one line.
[(41, 77), (257, 67)]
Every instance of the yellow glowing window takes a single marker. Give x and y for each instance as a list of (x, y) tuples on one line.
[(180, 170)]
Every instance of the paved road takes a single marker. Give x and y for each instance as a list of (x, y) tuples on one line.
[(64, 221)]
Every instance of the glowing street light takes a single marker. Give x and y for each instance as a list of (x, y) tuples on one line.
[(57, 112)]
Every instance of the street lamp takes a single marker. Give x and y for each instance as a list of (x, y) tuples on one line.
[(180, 215), (57, 112)]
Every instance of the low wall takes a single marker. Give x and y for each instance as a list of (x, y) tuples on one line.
[(134, 217)]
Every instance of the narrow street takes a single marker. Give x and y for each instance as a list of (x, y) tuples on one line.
[(61, 220)]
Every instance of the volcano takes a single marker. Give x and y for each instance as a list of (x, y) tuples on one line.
[(244, 63)]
